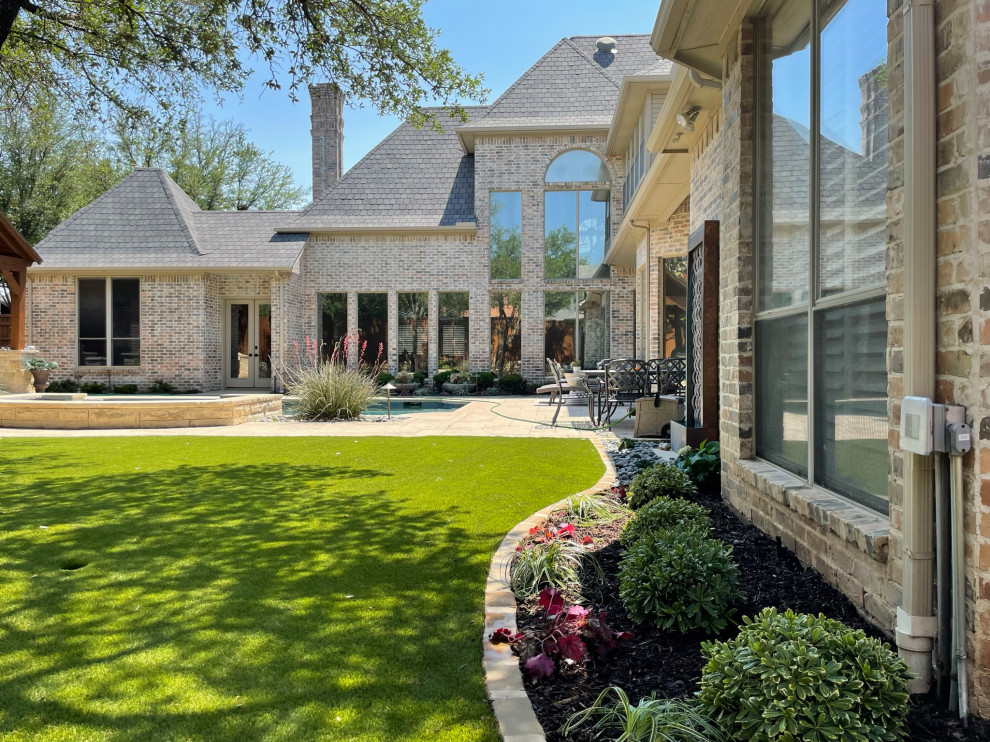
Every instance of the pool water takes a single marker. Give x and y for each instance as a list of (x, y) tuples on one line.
[(409, 406), (404, 406)]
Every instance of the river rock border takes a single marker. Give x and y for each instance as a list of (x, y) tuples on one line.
[(517, 721)]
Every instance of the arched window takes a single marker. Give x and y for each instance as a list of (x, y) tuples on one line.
[(577, 166), (576, 219)]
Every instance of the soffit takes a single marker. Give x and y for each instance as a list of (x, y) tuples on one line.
[(696, 33)]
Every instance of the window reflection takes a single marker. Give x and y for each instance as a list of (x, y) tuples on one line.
[(506, 235), (577, 166), (576, 327), (506, 352)]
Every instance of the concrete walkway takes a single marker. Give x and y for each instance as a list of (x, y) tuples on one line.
[(514, 417)]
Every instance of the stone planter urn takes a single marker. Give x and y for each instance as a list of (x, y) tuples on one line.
[(41, 377), (410, 387), (459, 388)]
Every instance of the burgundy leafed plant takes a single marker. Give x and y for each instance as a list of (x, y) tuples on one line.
[(566, 635)]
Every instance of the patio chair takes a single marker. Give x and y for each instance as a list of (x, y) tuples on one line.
[(625, 382), (666, 377), (553, 388)]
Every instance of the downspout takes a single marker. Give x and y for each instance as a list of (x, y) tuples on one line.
[(915, 623)]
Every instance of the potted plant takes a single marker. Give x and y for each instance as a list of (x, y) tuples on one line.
[(41, 370), (405, 381), (460, 383)]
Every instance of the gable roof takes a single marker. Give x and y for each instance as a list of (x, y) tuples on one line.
[(413, 178), (147, 221), (572, 85)]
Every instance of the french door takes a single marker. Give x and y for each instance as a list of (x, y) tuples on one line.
[(248, 343)]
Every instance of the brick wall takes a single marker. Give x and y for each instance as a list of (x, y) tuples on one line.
[(666, 240), (181, 330)]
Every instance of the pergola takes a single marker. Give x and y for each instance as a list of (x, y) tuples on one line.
[(15, 257)]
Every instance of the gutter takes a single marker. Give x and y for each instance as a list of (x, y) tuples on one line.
[(458, 228), (915, 623)]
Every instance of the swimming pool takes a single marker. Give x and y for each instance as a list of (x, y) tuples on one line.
[(409, 406)]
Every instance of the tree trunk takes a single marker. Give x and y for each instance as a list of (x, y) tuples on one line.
[(8, 13)]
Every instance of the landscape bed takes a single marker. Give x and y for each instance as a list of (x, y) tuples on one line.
[(670, 663)]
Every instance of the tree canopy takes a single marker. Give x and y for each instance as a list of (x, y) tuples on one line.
[(146, 57), (214, 162)]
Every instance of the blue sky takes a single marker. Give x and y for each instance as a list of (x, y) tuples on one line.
[(500, 40)]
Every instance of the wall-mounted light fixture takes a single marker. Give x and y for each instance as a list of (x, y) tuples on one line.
[(686, 119)]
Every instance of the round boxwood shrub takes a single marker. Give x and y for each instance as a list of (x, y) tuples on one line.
[(659, 480), (664, 513), (794, 676), (679, 580)]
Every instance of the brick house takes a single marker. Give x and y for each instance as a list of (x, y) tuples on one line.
[(841, 149), (483, 243)]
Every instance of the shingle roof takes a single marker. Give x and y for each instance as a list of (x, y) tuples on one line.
[(414, 178), (573, 84), (147, 221)]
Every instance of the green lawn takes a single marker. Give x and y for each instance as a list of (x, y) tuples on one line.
[(257, 589)]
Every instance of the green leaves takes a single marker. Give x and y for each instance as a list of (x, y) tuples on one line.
[(660, 480), (801, 677), (702, 464), (149, 57), (680, 580), (661, 514)]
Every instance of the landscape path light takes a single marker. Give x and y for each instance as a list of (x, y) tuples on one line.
[(388, 400)]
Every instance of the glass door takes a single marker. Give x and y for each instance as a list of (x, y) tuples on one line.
[(248, 335)]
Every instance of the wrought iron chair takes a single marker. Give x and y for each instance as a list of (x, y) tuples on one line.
[(667, 377), (625, 382)]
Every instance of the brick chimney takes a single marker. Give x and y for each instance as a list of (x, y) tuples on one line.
[(328, 136)]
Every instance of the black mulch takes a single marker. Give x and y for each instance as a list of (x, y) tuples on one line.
[(669, 663)]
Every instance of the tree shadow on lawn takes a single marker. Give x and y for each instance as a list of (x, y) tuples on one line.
[(239, 602)]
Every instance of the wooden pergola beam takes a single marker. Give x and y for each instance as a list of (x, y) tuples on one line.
[(16, 255)]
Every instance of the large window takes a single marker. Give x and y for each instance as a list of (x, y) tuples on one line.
[(506, 235), (453, 327), (373, 328), (414, 312), (506, 328), (576, 327), (576, 221), (333, 322), (821, 251), (109, 312), (673, 272)]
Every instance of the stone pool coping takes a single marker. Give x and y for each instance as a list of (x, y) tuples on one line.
[(504, 686), (79, 412)]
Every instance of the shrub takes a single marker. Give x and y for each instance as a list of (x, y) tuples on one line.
[(159, 386), (93, 387), (803, 677), (679, 580), (513, 384), (659, 480), (325, 387), (422, 392), (440, 378), (405, 377), (384, 378), (564, 634), (665, 513), (702, 464), (651, 720), (593, 507), (125, 389), (420, 377), (66, 386), (484, 379), (191, 391), (40, 364)]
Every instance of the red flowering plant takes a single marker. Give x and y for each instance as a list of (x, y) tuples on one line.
[(565, 635)]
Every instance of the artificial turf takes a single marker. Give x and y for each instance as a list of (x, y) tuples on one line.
[(211, 588)]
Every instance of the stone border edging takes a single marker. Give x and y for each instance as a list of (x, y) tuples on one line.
[(517, 721)]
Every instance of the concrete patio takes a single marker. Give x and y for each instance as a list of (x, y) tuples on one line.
[(517, 417)]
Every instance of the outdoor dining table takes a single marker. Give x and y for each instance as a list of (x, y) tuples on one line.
[(597, 375)]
